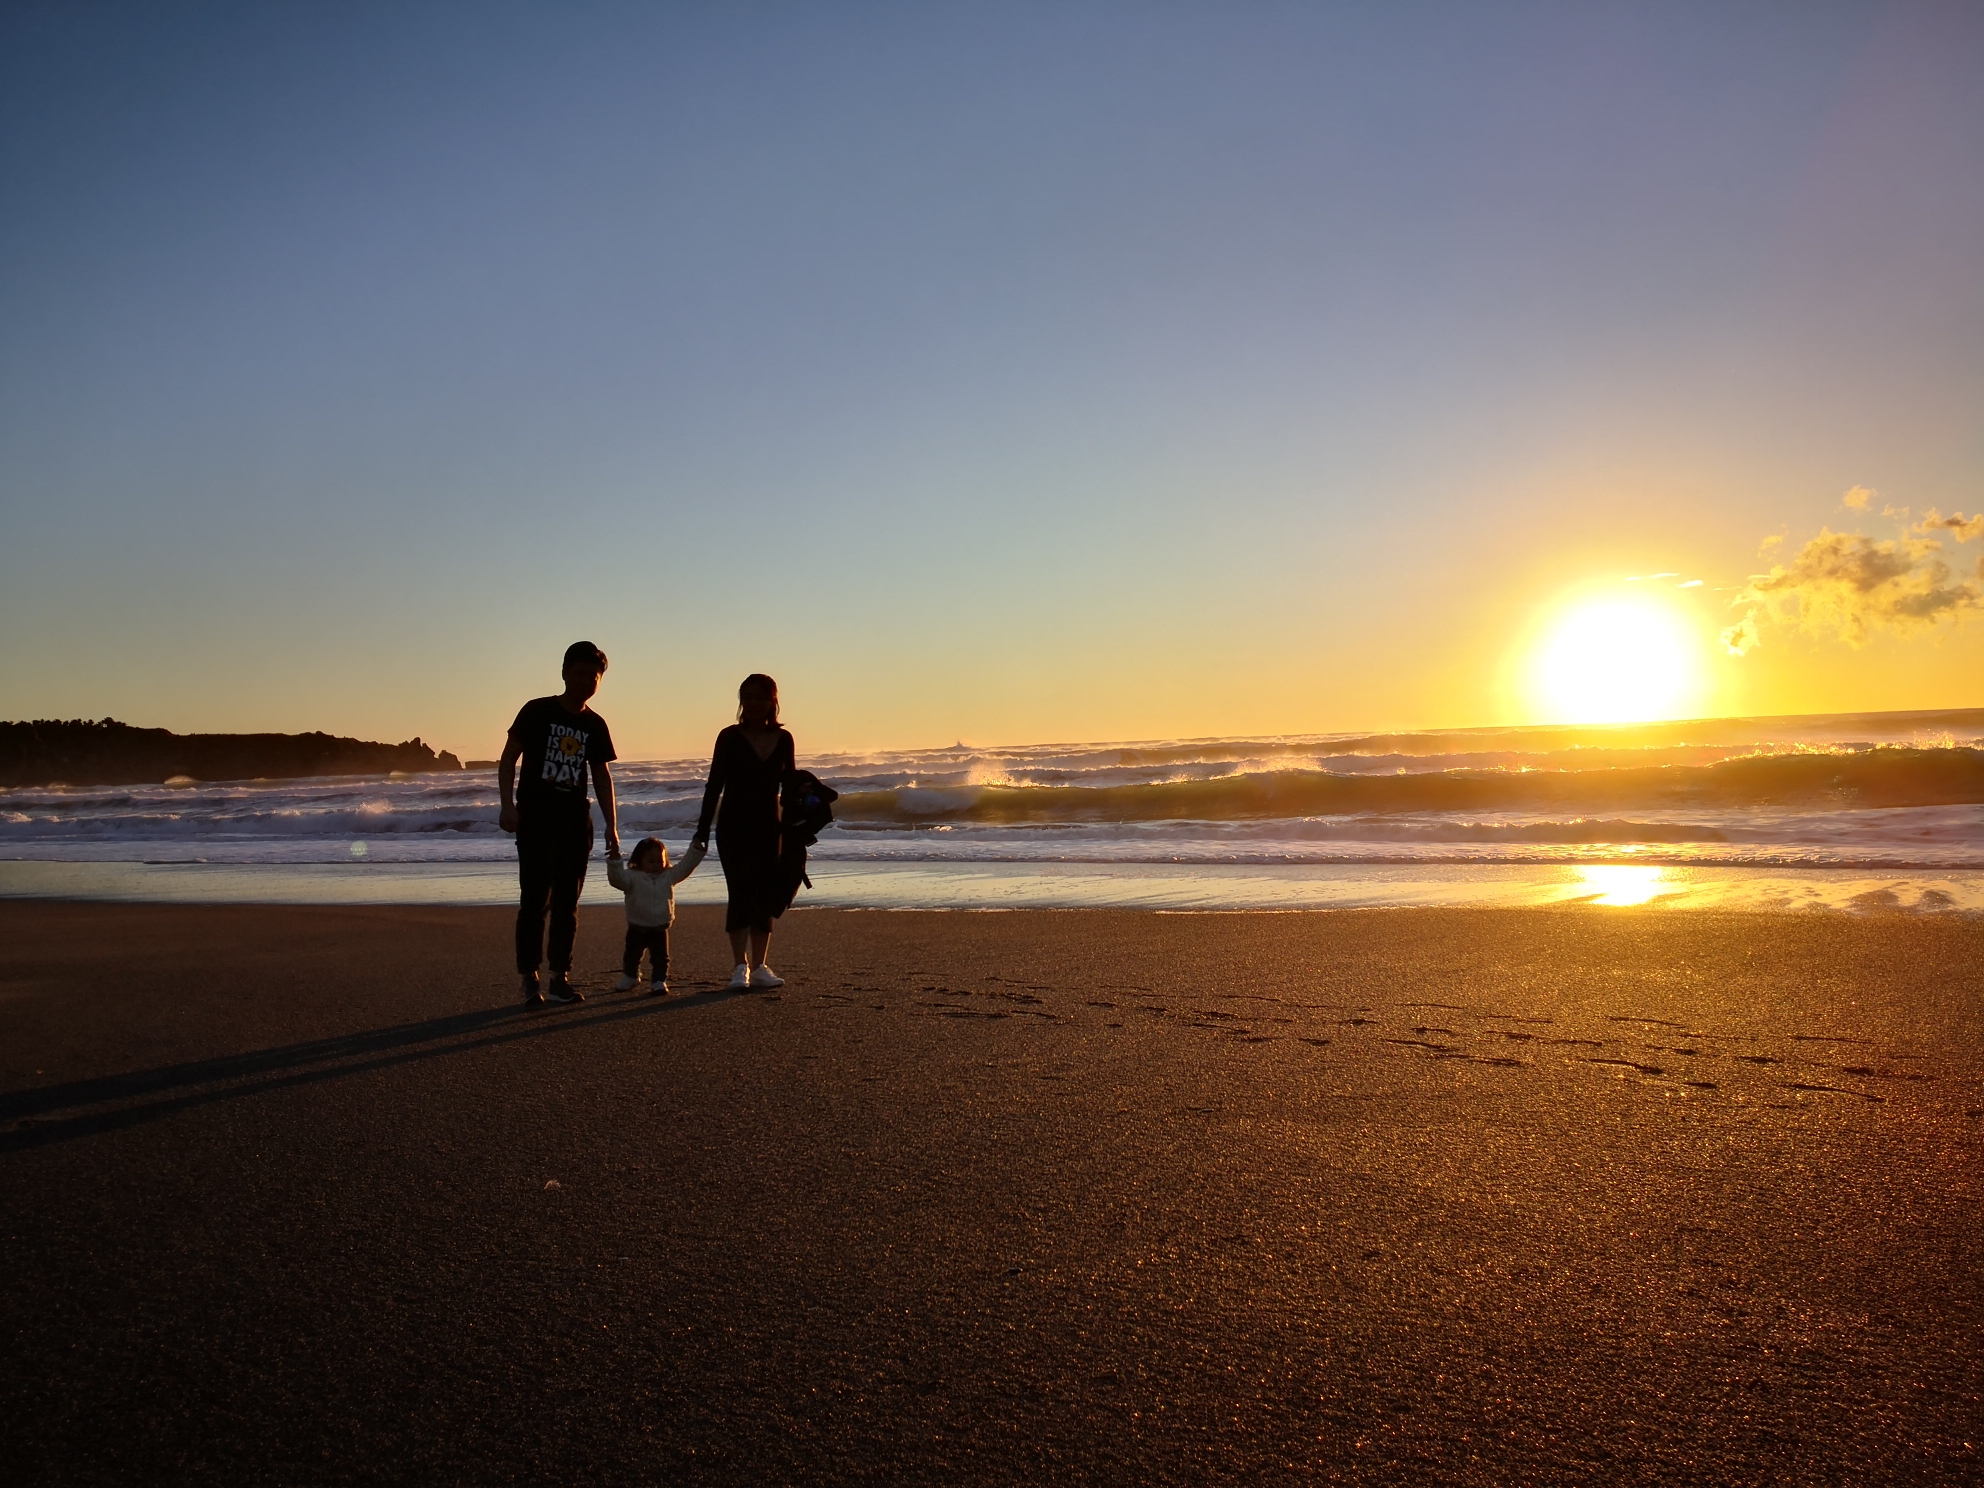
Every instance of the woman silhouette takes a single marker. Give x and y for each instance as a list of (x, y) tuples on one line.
[(750, 762)]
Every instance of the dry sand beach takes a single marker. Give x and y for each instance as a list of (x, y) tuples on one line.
[(299, 1195)]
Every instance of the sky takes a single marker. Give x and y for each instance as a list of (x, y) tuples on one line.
[(987, 373)]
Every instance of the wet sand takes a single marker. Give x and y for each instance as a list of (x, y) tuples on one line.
[(300, 1195)]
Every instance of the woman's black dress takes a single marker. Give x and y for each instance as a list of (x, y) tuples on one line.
[(747, 826)]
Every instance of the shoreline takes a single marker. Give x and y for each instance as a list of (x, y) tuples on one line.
[(838, 884)]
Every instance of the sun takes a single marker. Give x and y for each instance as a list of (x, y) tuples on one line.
[(1616, 659)]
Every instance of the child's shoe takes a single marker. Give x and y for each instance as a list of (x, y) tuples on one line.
[(562, 990), (657, 988), (625, 984), (764, 979), (740, 979)]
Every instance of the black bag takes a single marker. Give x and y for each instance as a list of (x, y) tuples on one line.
[(806, 806)]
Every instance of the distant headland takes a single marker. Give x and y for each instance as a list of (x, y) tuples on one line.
[(80, 752)]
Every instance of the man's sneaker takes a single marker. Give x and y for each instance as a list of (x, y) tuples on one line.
[(562, 990), (533, 994), (764, 979), (740, 978), (657, 989), (625, 984)]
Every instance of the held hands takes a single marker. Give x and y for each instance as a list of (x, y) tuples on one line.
[(507, 820)]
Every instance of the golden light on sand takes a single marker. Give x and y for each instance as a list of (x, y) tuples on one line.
[(1617, 659), (1619, 883)]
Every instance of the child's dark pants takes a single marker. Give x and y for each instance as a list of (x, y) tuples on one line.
[(551, 869), (654, 940)]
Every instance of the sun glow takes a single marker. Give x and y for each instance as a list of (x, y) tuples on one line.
[(1618, 659), (1622, 884)]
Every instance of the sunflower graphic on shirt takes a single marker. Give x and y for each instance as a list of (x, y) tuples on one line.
[(565, 757)]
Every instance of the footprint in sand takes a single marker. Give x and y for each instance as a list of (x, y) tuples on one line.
[(1832, 1090), (1868, 1071), (1439, 1051), (1645, 1069)]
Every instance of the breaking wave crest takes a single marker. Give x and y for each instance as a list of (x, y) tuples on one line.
[(1882, 777)]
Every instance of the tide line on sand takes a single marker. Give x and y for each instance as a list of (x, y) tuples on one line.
[(1164, 887)]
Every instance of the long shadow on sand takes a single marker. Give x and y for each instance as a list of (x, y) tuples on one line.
[(148, 1095)]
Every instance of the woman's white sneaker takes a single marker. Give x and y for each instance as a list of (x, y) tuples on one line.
[(764, 978), (740, 978)]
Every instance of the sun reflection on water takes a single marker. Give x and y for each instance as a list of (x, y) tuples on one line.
[(1613, 883)]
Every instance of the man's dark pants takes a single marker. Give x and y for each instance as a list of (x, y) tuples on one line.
[(551, 870)]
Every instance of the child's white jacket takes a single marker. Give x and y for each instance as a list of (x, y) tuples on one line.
[(651, 896)]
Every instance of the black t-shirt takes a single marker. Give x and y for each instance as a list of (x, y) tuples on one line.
[(560, 749)]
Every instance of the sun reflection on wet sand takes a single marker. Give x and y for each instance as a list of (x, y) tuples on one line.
[(1623, 884)]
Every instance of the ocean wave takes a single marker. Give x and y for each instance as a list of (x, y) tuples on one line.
[(1811, 791), (1879, 777)]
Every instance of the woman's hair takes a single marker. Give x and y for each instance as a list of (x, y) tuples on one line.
[(758, 679), (643, 847)]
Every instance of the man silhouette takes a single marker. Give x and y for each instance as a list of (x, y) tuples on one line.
[(562, 743)]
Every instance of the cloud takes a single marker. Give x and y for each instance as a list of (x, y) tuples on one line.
[(1857, 498), (1956, 524), (1850, 585)]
